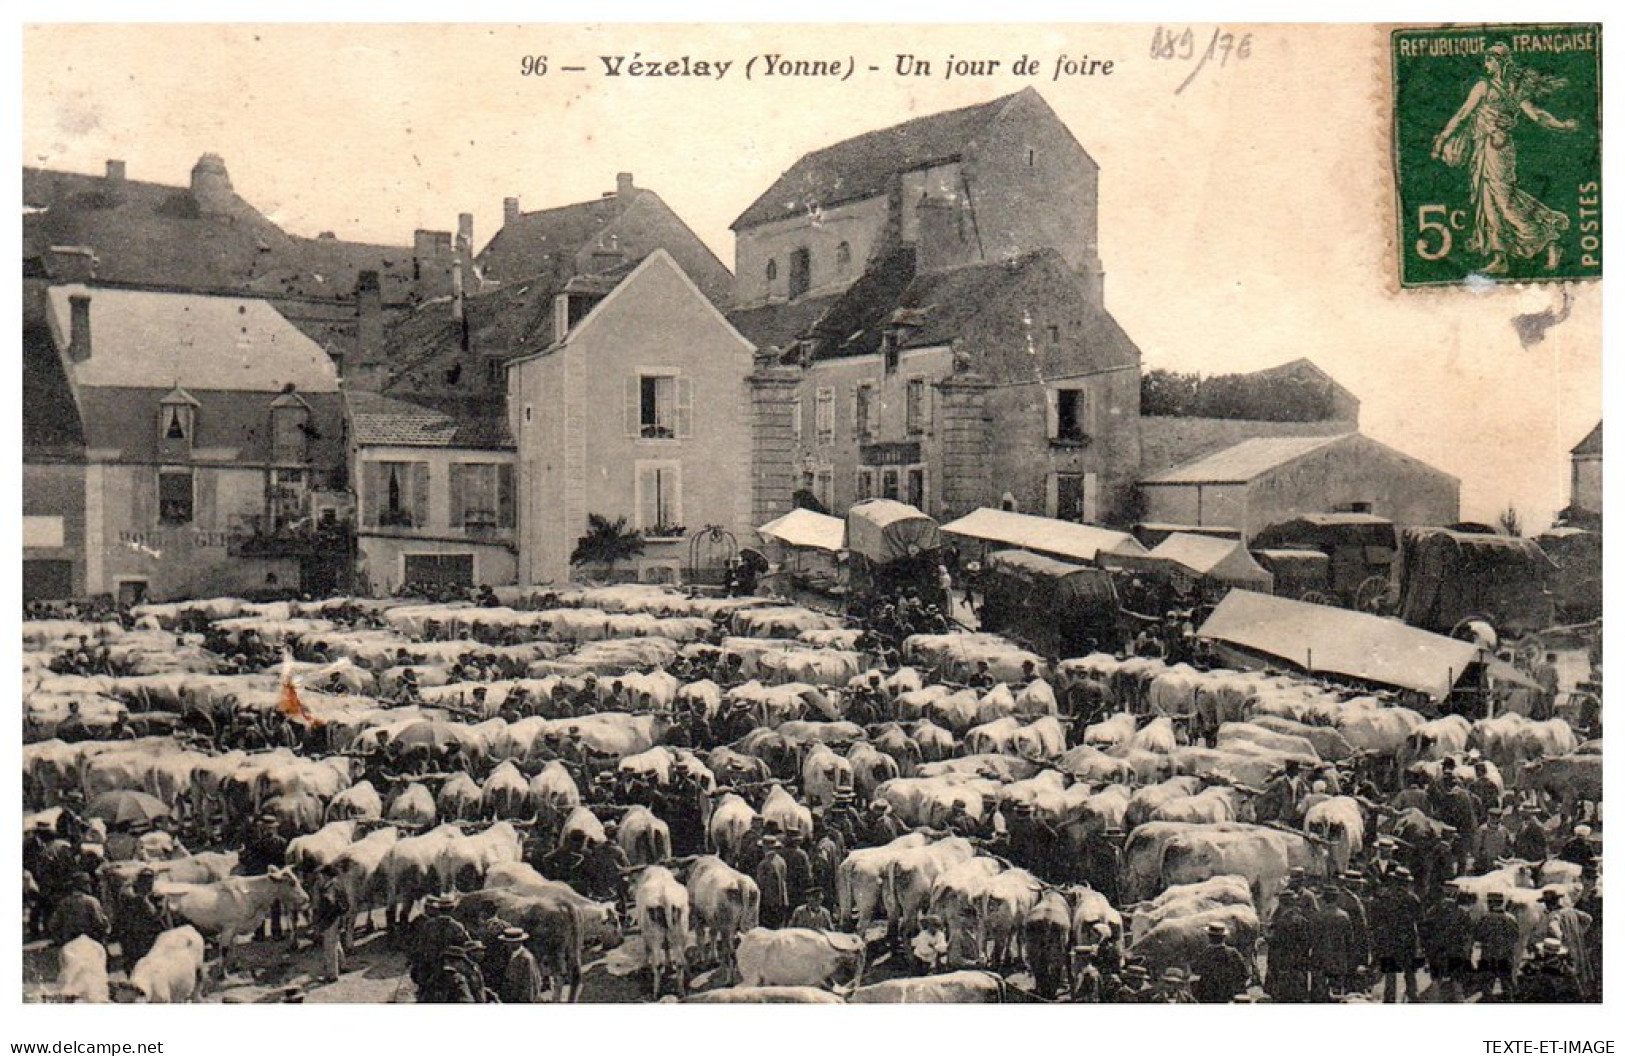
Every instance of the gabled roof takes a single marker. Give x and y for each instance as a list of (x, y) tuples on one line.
[(382, 421), (1591, 445), (1065, 539), (860, 167), (554, 236), (1245, 461), (1221, 559), (141, 340)]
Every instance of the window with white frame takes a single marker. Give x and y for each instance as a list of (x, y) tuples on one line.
[(659, 497), (659, 405)]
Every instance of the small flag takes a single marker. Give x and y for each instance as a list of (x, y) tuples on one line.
[(288, 702)]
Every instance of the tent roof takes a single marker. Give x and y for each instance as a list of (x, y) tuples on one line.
[(1204, 555), (807, 528), (1078, 542), (886, 530), (1341, 642)]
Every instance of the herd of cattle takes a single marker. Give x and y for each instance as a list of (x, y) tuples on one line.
[(513, 731)]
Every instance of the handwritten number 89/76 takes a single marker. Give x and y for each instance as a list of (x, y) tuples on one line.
[(533, 66), (1181, 45)]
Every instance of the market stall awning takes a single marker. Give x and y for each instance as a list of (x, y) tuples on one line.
[(1063, 539), (885, 530), (818, 531), (1224, 560), (1323, 639)]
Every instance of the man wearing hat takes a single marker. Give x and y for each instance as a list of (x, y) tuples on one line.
[(1396, 913), (1383, 861), (522, 982), (1221, 970), (1497, 935), (842, 821), (880, 825), (1493, 841), (330, 912), (1547, 977), (454, 978), (1031, 842), (604, 868), (1532, 842), (1573, 926), (139, 917), (1447, 943), (1173, 988), (1136, 988), (1578, 850), (812, 912), (266, 849), (1455, 806), (1331, 956), (1348, 891), (772, 878), (1288, 951), (827, 855), (431, 936)]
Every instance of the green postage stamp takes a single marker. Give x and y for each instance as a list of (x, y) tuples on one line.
[(1498, 153)]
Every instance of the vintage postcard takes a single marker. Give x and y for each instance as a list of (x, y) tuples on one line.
[(740, 514)]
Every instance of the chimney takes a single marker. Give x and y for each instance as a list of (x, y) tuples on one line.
[(211, 185), (369, 316), (623, 185), (510, 211), (944, 239), (70, 263), (462, 259), (115, 171), (79, 327), (431, 262)]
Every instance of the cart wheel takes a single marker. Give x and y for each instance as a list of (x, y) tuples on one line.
[(1372, 594), (1314, 597)]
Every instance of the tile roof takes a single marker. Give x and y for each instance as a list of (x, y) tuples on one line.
[(1245, 461), (545, 242), (384, 420), (153, 234), (860, 167)]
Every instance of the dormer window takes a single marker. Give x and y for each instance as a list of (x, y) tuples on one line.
[(177, 424), (291, 431)]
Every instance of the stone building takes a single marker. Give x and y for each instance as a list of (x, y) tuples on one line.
[(630, 400), (929, 299), (1266, 480), (212, 435), (1585, 478)]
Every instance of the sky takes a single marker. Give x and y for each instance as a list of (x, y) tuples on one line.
[(1245, 220)]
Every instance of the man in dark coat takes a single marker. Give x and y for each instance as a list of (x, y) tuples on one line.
[(604, 870), (139, 917), (1532, 843), (1331, 941), (265, 850), (1395, 915), (1548, 978), (798, 867), (521, 980), (1221, 970), (1497, 936), (1289, 949), (880, 825), (430, 939), (1349, 895), (1447, 942), (773, 881), (1031, 842), (1100, 862), (1455, 806), (77, 913)]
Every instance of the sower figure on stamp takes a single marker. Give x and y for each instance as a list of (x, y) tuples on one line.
[(1506, 219)]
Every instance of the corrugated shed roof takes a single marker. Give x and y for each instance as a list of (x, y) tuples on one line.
[(142, 339), (860, 167), (1244, 461)]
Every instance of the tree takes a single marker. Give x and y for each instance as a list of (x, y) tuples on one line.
[(1509, 521), (606, 543)]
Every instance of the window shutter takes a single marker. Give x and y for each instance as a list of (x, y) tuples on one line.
[(372, 493), (505, 505), (206, 490), (648, 516), (930, 406), (685, 407), (1052, 487), (633, 390), (673, 492), (1052, 419), (795, 418), (420, 494), (459, 487), (1090, 490), (857, 398)]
